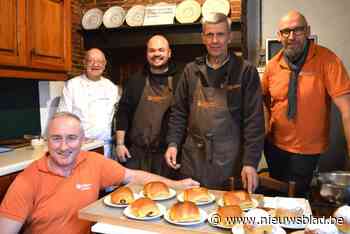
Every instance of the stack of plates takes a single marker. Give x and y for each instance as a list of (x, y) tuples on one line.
[(215, 6), (92, 19), (188, 11), (114, 17), (135, 15)]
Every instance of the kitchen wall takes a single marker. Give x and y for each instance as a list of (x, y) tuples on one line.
[(329, 20)]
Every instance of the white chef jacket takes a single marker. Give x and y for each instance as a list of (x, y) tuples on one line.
[(94, 103)]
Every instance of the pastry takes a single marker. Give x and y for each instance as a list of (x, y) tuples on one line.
[(184, 212), (122, 195), (228, 215), (196, 194), (144, 207), (156, 190)]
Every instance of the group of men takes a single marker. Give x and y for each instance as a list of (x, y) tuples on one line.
[(206, 126)]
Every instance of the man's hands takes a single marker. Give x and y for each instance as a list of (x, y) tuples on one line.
[(249, 178), (170, 157), (122, 153), (185, 183)]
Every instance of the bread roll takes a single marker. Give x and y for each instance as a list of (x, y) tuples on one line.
[(122, 195), (228, 215), (240, 197), (156, 190), (196, 194), (184, 212), (144, 207)]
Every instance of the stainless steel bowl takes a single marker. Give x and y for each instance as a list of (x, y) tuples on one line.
[(335, 186)]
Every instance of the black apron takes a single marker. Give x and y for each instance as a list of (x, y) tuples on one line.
[(211, 150), (146, 129)]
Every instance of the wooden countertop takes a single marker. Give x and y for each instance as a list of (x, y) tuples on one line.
[(20, 158), (99, 212)]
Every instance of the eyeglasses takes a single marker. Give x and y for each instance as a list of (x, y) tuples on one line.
[(298, 31)]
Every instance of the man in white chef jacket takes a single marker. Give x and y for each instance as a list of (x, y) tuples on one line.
[(93, 99)]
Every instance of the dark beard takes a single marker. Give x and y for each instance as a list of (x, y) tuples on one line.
[(294, 55)]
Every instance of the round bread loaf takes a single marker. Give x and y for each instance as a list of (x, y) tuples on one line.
[(144, 207), (156, 190), (122, 195), (184, 212)]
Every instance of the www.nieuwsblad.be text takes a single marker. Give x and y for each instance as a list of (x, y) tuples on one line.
[(302, 220)]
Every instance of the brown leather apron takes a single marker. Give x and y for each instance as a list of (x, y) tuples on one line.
[(146, 128), (211, 150)]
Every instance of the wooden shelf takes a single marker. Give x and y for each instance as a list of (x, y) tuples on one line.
[(177, 34)]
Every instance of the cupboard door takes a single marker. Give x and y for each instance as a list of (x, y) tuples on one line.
[(12, 39), (49, 34)]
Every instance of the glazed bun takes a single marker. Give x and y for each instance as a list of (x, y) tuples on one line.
[(184, 212), (227, 214), (196, 194), (122, 195), (240, 197), (144, 207), (344, 213), (156, 190), (291, 208)]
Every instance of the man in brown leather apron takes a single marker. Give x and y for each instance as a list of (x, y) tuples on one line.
[(218, 103), (143, 111)]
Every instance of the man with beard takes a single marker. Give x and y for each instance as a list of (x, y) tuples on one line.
[(47, 195), (218, 102), (93, 98), (142, 115), (298, 84)]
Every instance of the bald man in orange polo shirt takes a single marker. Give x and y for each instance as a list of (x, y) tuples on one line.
[(298, 85), (46, 196)]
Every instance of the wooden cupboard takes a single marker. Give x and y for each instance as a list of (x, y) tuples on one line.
[(35, 39)]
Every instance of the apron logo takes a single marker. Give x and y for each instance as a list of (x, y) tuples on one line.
[(83, 187), (205, 104), (232, 87), (155, 98)]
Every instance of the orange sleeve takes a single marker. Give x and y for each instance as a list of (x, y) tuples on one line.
[(112, 173), (337, 80), (18, 201), (265, 82)]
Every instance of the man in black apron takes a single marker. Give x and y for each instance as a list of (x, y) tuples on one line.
[(143, 111), (218, 103)]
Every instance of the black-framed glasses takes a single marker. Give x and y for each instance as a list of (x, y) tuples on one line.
[(297, 31)]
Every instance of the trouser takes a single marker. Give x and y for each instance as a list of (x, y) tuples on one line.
[(287, 166), (149, 160)]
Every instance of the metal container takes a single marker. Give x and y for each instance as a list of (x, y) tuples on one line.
[(335, 186)]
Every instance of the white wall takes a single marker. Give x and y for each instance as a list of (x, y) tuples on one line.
[(329, 20), (49, 94)]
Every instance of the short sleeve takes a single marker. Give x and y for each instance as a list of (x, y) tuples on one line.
[(112, 173), (336, 78), (18, 201)]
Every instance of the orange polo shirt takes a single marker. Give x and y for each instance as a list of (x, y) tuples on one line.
[(322, 77), (49, 203)]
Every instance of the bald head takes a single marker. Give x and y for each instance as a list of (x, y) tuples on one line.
[(292, 16), (158, 39), (158, 54)]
